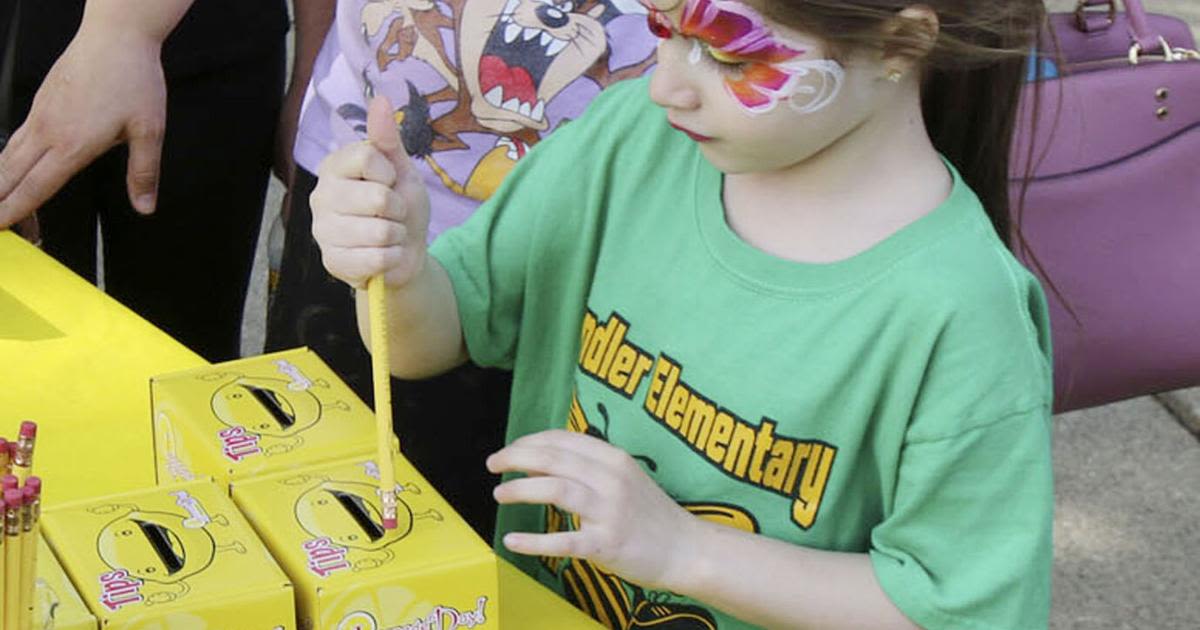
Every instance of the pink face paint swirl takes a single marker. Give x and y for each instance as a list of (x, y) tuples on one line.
[(770, 69), (736, 30)]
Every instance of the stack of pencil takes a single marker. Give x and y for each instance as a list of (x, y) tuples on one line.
[(21, 498)]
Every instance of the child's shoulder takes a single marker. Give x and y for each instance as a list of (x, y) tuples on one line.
[(614, 143), (622, 115), (969, 281), (992, 328), (969, 269), (626, 98), (963, 267)]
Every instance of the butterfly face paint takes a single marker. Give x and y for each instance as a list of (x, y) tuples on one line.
[(760, 70)]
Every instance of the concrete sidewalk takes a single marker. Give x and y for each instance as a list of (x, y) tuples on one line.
[(1127, 523), (1127, 530)]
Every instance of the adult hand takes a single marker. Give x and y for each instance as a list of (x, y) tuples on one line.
[(370, 207), (99, 93), (627, 523)]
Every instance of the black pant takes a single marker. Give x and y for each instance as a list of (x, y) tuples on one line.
[(186, 267), (447, 425)]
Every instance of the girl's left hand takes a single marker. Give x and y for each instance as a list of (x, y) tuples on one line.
[(627, 524)]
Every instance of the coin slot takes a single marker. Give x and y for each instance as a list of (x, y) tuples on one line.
[(272, 403), (160, 541), (356, 506)]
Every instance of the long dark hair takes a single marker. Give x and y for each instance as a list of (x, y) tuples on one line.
[(972, 74)]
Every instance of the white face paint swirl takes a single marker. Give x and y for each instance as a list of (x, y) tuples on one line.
[(696, 53), (831, 75)]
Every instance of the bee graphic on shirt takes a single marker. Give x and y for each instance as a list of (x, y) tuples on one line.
[(603, 595)]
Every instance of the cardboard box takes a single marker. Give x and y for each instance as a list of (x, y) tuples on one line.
[(179, 556), (324, 526), (255, 416), (56, 604)]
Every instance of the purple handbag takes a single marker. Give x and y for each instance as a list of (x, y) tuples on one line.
[(1111, 216)]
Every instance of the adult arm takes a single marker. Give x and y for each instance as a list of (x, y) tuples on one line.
[(106, 88), (312, 19)]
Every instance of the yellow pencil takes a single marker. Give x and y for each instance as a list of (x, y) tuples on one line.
[(12, 559), (382, 373), (23, 460), (31, 513)]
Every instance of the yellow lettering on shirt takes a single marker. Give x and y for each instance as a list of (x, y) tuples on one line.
[(753, 453)]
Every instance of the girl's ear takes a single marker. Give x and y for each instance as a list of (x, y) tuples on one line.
[(910, 36)]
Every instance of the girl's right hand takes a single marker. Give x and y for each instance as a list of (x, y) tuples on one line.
[(370, 208)]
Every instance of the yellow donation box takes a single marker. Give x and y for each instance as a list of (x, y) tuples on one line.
[(56, 604), (254, 416), (324, 526), (178, 557)]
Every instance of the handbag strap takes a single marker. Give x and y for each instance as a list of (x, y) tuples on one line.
[(1142, 39), (1090, 20), (1139, 28)]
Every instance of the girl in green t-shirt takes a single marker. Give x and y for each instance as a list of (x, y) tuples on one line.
[(915, 446)]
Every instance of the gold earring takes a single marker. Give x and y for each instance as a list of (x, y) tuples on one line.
[(894, 76)]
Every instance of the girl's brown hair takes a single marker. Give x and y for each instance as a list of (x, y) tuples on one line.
[(972, 72)]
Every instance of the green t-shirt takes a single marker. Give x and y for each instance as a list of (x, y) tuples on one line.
[(895, 403)]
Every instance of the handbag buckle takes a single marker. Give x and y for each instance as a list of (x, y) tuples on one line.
[(1185, 54), (1083, 11), (1169, 54)]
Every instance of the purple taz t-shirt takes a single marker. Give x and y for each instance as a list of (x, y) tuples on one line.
[(476, 83)]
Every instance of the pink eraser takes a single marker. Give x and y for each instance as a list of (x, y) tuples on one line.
[(9, 482), (389, 523), (28, 495), (13, 498), (28, 429), (34, 482)]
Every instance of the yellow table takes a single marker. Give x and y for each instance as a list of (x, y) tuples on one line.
[(78, 363)]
